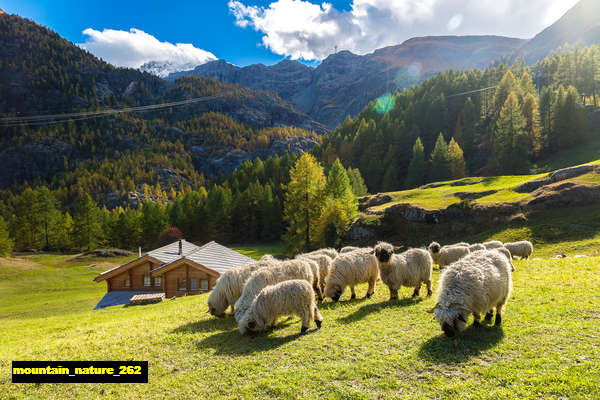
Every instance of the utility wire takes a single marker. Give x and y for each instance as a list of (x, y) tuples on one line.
[(59, 118), (472, 91)]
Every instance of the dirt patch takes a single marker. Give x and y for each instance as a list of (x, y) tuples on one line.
[(19, 263)]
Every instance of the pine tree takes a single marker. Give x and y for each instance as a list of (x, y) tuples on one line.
[(49, 216), (303, 203), (332, 225), (88, 224), (357, 182), (531, 112), (507, 85), (6, 243), (458, 167), (416, 169), (510, 126), (439, 166), (338, 188)]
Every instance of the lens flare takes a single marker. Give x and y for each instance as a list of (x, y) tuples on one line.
[(385, 103)]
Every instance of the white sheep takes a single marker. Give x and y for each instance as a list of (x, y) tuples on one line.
[(229, 286), (350, 269), (314, 266), (464, 244), (476, 247), (522, 249), (411, 268), (348, 249), (283, 271), (474, 285), (293, 297), (332, 253), (494, 244), (324, 262), (446, 255)]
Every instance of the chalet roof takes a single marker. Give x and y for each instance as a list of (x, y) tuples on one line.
[(212, 255)]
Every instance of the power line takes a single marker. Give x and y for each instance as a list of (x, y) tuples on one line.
[(472, 91), (60, 118)]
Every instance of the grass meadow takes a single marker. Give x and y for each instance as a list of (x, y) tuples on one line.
[(547, 348)]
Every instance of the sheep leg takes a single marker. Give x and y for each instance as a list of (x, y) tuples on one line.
[(489, 315), (417, 290), (317, 290), (371, 288), (318, 317), (476, 318), (393, 294), (353, 293), (498, 314), (429, 291), (307, 316)]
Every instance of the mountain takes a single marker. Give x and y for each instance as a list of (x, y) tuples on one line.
[(580, 26), (344, 83), (41, 73), (164, 68)]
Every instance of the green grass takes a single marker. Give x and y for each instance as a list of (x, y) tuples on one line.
[(548, 346), (576, 156), (259, 250), (440, 195)]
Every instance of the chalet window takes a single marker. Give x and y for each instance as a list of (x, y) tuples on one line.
[(181, 285), (193, 284), (204, 284), (127, 283), (147, 280), (157, 281)]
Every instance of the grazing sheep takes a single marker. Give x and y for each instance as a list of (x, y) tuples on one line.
[(446, 255), (350, 269), (314, 266), (348, 249), (494, 244), (476, 247), (229, 286), (332, 253), (283, 271), (411, 268), (522, 249), (474, 285), (504, 251), (293, 297), (324, 262), (464, 244)]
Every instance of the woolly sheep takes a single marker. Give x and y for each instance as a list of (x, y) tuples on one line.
[(464, 244), (504, 251), (324, 262), (411, 268), (446, 255), (522, 249), (494, 244), (350, 269), (228, 288), (476, 247), (474, 285), (348, 249), (314, 266), (332, 253), (283, 271), (293, 297)]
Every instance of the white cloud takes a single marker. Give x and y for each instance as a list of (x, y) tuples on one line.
[(303, 29), (136, 47)]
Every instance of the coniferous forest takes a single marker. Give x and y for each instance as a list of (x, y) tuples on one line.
[(124, 180)]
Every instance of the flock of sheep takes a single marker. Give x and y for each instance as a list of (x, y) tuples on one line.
[(476, 280)]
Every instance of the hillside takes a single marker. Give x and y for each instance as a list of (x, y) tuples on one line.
[(42, 73), (580, 26), (344, 83), (545, 208)]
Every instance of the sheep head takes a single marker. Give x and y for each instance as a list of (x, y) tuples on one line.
[(434, 247), (334, 291), (452, 319), (384, 251), (217, 304)]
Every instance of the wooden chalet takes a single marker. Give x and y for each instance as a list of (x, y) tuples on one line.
[(178, 269)]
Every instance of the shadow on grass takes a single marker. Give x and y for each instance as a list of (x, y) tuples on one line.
[(470, 343), (207, 325), (233, 343), (329, 304), (377, 307)]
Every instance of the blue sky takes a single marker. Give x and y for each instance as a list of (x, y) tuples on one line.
[(266, 31)]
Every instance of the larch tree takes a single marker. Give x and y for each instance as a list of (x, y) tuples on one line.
[(439, 166), (88, 224), (303, 203), (416, 169), (458, 168), (508, 136)]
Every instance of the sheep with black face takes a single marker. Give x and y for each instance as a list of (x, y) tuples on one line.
[(446, 255), (351, 269), (411, 268), (293, 297), (474, 285)]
